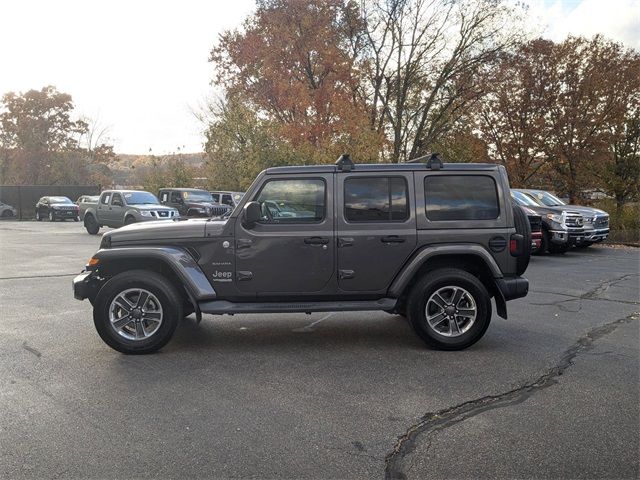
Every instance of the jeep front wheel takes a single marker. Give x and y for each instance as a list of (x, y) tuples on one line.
[(137, 312), (449, 309)]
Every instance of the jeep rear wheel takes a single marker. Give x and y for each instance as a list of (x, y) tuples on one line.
[(91, 224), (137, 312), (449, 309)]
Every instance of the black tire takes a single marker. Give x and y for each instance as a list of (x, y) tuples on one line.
[(91, 224), (51, 217), (442, 279), (555, 249), (77, 219), (7, 214), (38, 217), (164, 291), (129, 220), (523, 227)]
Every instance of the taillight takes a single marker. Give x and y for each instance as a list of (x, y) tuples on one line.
[(516, 245)]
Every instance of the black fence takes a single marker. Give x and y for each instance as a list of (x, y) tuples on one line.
[(25, 197)]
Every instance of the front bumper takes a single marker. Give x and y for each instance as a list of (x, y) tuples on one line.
[(85, 286), (65, 213), (571, 236), (594, 236)]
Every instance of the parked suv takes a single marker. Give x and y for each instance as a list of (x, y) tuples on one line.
[(192, 202), (431, 241), (227, 198), (116, 208), (7, 211), (595, 221), (562, 226), (56, 208)]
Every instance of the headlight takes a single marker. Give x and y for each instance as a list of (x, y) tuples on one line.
[(554, 217), (146, 213)]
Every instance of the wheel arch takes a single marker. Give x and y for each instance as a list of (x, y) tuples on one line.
[(174, 263), (473, 259)]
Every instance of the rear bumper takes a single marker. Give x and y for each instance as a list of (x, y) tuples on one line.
[(513, 287)]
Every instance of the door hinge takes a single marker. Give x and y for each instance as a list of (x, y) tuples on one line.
[(345, 242), (243, 276), (345, 274)]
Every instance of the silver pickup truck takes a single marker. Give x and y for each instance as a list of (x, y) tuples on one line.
[(116, 208)]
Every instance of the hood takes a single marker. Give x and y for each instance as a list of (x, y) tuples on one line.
[(543, 210), (160, 230), (151, 207), (586, 211), (65, 205)]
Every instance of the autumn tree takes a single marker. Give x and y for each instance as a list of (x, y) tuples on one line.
[(590, 87), (35, 129), (40, 143), (295, 64), (423, 59), (621, 175), (512, 117)]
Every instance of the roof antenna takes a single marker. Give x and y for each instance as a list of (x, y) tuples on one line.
[(345, 163)]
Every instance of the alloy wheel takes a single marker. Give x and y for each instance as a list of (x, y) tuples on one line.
[(135, 314), (451, 311)]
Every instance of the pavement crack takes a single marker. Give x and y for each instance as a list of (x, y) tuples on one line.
[(29, 349), (593, 294), (445, 418), (40, 276)]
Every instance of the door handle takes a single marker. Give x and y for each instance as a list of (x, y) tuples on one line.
[(392, 239), (316, 241)]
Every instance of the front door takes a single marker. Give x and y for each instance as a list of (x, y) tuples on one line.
[(376, 229), (291, 249), (116, 210)]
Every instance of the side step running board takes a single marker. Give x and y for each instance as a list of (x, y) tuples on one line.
[(220, 307)]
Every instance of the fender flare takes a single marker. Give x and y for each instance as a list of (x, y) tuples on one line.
[(417, 260), (178, 260)]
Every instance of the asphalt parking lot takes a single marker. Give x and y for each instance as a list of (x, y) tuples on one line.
[(552, 392)]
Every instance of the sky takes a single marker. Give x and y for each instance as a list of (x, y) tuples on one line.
[(140, 68)]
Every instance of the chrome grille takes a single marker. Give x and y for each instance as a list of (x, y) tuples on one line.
[(218, 210), (573, 220)]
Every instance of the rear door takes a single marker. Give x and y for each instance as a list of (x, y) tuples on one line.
[(376, 228), (292, 249)]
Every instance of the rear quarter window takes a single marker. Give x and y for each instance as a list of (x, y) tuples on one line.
[(461, 197)]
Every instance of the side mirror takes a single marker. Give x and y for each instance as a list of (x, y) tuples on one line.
[(251, 214)]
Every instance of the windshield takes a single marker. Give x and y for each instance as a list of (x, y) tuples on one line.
[(545, 198), (60, 200), (140, 198), (198, 196), (523, 199)]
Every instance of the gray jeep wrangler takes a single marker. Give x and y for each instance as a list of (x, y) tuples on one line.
[(430, 241)]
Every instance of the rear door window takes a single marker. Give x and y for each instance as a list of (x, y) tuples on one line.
[(461, 197), (375, 199)]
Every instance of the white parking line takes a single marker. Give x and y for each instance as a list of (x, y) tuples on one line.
[(309, 328)]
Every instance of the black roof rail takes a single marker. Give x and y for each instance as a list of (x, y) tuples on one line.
[(344, 163)]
